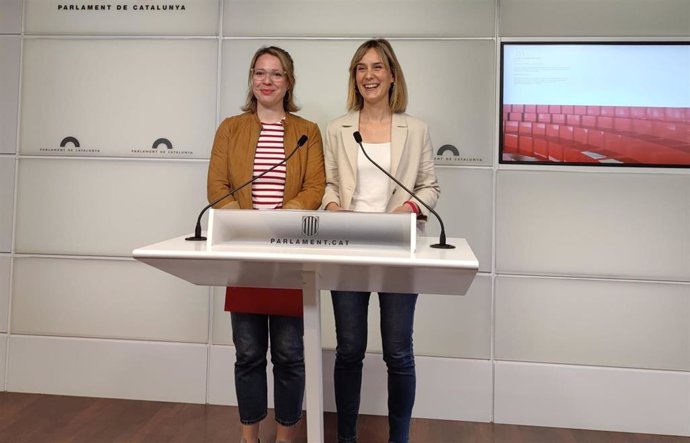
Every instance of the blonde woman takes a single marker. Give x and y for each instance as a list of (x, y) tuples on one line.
[(400, 143)]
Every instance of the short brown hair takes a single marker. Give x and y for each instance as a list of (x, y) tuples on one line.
[(289, 68), (397, 94)]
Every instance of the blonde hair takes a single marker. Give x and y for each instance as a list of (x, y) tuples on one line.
[(397, 94), (289, 68)]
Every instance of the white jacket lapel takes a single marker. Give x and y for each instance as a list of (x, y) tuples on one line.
[(349, 126), (398, 139)]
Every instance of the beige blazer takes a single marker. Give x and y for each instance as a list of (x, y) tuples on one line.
[(412, 162)]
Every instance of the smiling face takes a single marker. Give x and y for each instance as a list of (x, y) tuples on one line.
[(269, 82), (373, 78)]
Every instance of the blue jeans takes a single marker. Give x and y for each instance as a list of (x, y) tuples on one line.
[(250, 333), (397, 321)]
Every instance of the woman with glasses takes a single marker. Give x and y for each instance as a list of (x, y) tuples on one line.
[(400, 143), (246, 146)]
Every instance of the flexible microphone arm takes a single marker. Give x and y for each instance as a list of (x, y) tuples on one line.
[(442, 238), (197, 230)]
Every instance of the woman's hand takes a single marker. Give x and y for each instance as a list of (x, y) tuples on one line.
[(333, 206), (403, 208)]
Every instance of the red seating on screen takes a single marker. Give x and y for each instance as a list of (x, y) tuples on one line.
[(525, 128), (558, 118), (597, 133)]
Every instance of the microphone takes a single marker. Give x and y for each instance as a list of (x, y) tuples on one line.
[(197, 230), (442, 238)]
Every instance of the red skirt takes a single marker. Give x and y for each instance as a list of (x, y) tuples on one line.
[(264, 301)]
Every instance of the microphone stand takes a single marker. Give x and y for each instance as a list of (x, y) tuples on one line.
[(442, 237), (197, 229)]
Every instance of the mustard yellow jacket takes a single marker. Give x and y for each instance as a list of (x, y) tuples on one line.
[(232, 162)]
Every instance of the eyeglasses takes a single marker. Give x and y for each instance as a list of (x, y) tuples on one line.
[(260, 74)]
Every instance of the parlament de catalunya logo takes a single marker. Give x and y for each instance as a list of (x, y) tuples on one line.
[(70, 144), (122, 6), (310, 225), (449, 155), (161, 146)]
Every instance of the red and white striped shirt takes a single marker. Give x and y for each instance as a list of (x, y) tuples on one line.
[(267, 192)]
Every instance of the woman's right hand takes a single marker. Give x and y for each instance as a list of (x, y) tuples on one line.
[(333, 206)]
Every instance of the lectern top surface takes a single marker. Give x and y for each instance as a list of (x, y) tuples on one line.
[(460, 257)]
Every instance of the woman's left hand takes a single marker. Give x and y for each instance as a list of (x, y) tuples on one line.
[(403, 208)]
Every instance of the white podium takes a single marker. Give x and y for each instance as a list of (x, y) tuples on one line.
[(314, 251)]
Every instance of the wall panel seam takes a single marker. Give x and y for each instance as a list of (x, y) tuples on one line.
[(613, 279), (596, 367)]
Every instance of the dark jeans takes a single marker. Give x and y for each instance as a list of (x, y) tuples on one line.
[(397, 320), (250, 333)]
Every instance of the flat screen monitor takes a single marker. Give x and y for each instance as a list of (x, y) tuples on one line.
[(595, 103)]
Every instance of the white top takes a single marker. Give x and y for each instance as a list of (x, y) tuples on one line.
[(372, 190)]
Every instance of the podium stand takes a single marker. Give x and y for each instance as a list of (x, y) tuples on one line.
[(312, 251)]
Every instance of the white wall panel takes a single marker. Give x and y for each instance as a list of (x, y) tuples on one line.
[(195, 17), (103, 207), (10, 16), (5, 269), (447, 326), (118, 97), (221, 378), (6, 201), (624, 400), (106, 298), (593, 224), (355, 18), (607, 323), (594, 18), (451, 85), (222, 327), (9, 92), (108, 368), (455, 326), (466, 208), (464, 68), (447, 389)]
